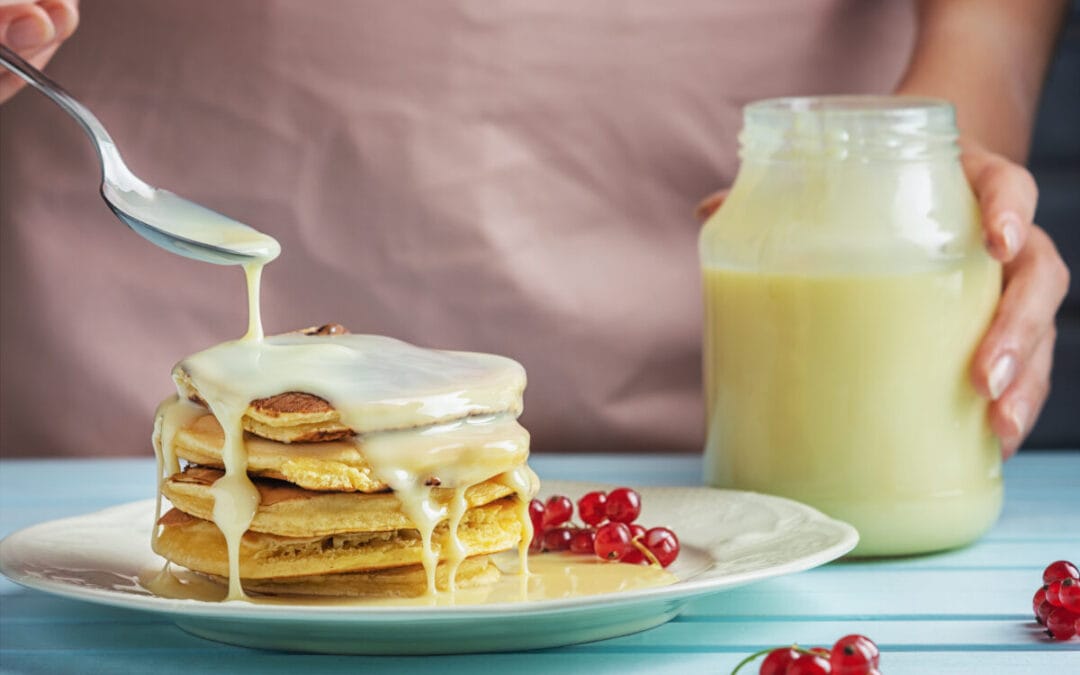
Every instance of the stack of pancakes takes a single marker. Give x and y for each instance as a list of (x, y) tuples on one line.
[(328, 522)]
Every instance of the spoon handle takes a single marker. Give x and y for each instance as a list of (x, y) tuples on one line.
[(111, 164)]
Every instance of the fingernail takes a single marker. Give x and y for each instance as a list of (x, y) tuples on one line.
[(1001, 375), (29, 32), (1018, 414), (1010, 232)]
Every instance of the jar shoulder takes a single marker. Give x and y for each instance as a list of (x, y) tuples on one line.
[(805, 215)]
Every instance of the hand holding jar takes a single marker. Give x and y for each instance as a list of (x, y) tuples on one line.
[(1012, 366), (847, 288)]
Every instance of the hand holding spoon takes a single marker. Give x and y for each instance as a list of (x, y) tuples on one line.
[(172, 222)]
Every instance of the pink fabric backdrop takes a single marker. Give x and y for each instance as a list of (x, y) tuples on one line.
[(507, 176)]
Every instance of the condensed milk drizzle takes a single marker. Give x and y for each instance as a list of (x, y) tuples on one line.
[(555, 576), (253, 275), (457, 551), (235, 497), (522, 481), (376, 384), (173, 414)]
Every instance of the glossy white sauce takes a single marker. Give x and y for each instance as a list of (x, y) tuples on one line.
[(455, 411), (552, 576)]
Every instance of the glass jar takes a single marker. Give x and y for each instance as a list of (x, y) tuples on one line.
[(846, 289)]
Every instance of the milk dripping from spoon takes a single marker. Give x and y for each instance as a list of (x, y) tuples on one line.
[(194, 231), (166, 219)]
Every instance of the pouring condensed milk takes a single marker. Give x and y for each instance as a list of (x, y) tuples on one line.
[(846, 288), (436, 428), (323, 463), (377, 468)]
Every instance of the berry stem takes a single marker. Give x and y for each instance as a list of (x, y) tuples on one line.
[(763, 652), (750, 658), (636, 541)]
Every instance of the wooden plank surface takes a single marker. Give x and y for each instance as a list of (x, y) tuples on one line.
[(964, 611)]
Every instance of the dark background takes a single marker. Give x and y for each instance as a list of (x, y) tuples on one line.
[(1055, 161)]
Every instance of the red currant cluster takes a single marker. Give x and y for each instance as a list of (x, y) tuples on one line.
[(850, 655), (1057, 603), (609, 530)]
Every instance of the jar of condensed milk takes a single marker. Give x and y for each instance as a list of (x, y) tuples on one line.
[(846, 289)]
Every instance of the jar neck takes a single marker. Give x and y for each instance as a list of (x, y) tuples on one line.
[(849, 128)]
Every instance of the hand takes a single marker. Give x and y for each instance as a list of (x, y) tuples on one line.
[(34, 30), (1012, 364)]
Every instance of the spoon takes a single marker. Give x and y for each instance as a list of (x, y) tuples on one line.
[(170, 221)]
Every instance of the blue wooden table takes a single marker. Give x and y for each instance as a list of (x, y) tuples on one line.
[(966, 611)]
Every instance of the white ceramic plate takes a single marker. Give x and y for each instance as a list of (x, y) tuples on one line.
[(728, 539)]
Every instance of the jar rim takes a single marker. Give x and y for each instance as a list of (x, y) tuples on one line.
[(860, 127), (875, 106)]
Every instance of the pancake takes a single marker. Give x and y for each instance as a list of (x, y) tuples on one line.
[(200, 546), (290, 511), (342, 466), (289, 417), (349, 458), (331, 465), (399, 582), (298, 417), (379, 367)]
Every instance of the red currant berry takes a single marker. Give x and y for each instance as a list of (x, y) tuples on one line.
[(557, 511), (1043, 612), (663, 544), (623, 505), (635, 556), (1052, 593), (1061, 624), (584, 541), (613, 541), (558, 538), (1059, 570), (1069, 594), (1040, 598), (536, 515), (823, 652), (1076, 625), (591, 508), (854, 654), (777, 661), (809, 664), (851, 668)]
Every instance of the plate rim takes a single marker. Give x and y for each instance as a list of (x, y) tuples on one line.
[(681, 592)]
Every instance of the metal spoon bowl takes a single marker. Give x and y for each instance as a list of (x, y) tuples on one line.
[(168, 220)]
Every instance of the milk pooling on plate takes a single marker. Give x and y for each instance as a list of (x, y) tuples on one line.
[(422, 418)]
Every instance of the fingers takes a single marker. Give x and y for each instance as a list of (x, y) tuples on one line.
[(1035, 284), (26, 28), (64, 15), (1013, 415), (708, 206), (1007, 196), (34, 30)]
